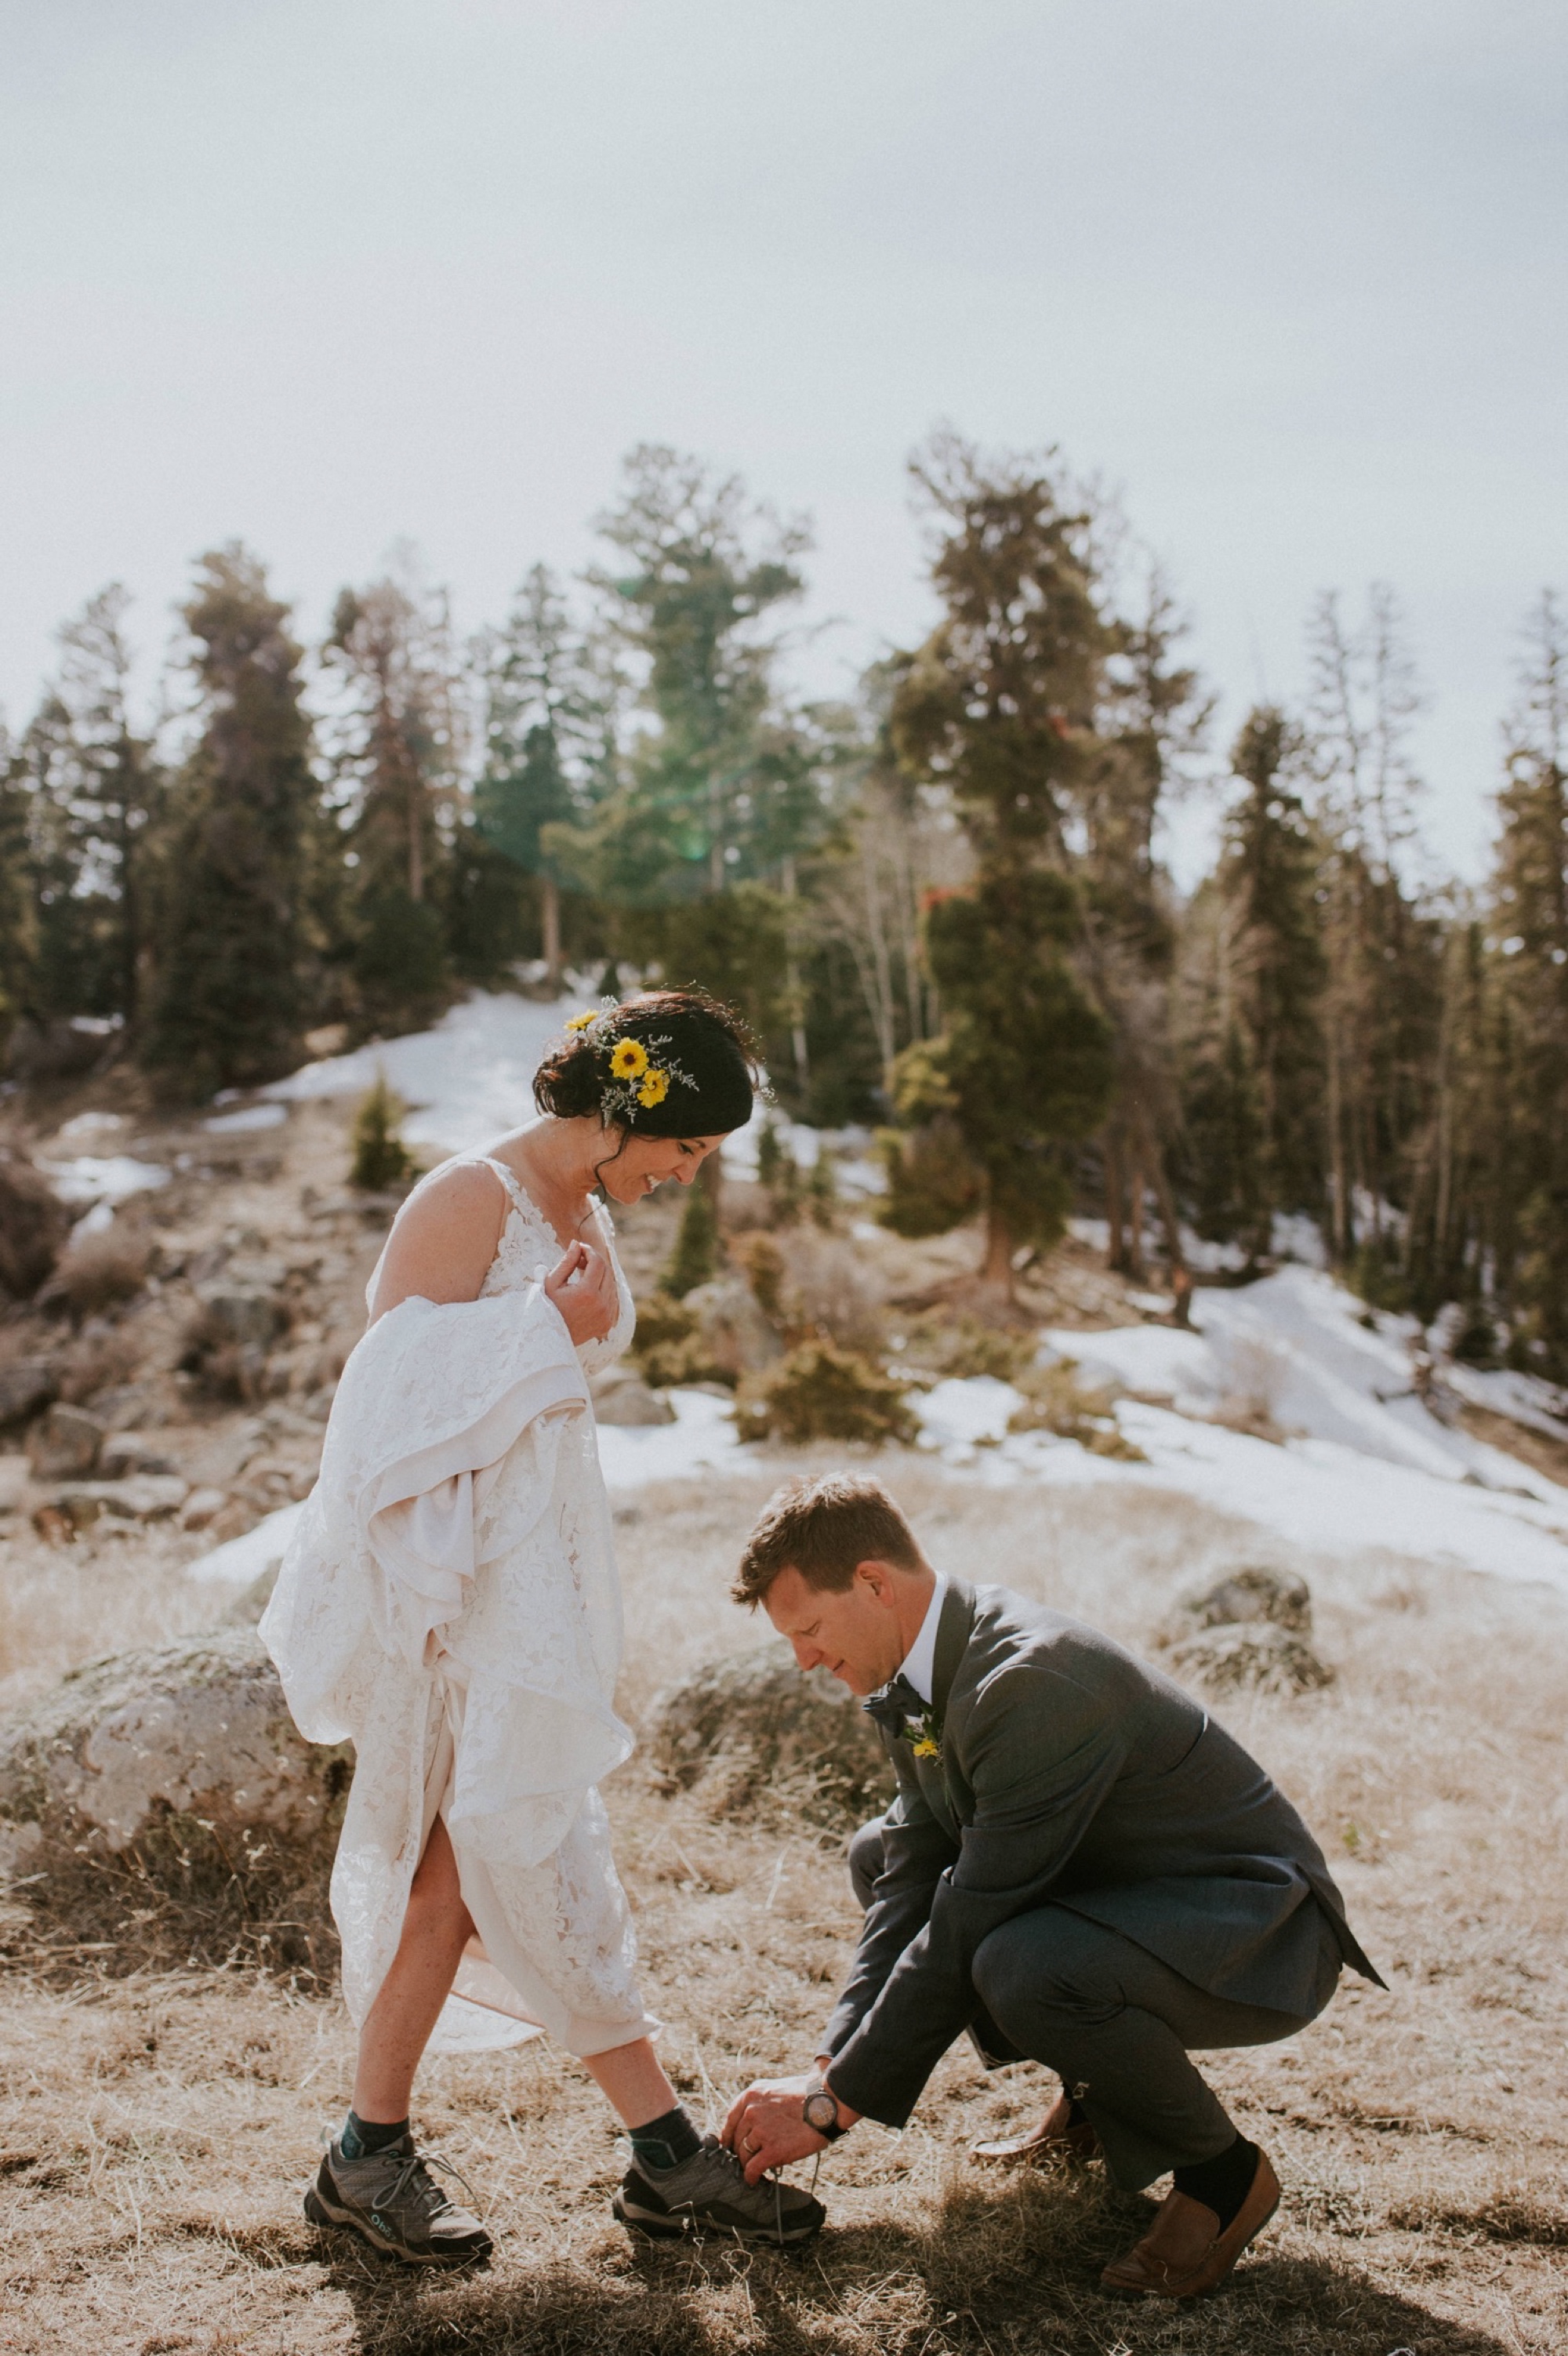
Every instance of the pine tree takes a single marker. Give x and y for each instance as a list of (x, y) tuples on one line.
[(120, 788), (717, 788), (696, 1254), (1531, 948), (399, 767), (552, 699), (1268, 876), (227, 1000), (19, 927), (1024, 1063)]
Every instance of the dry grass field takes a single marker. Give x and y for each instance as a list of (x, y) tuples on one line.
[(156, 2130)]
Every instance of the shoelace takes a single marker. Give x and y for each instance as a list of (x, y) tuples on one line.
[(416, 2163)]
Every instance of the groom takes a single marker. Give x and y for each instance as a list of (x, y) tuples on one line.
[(1080, 1868)]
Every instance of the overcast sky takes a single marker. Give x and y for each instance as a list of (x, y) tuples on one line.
[(324, 274)]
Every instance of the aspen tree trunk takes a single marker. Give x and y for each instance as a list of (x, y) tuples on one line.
[(997, 1269), (550, 917)]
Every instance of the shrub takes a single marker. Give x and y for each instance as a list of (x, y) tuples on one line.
[(696, 1254), (380, 1157), (669, 1346), (1055, 1401), (933, 1184), (818, 1392), (762, 1263), (937, 1347)]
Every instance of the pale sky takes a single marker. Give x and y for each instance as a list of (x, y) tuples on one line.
[(327, 273)]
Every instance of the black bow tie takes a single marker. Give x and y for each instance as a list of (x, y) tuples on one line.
[(895, 1705)]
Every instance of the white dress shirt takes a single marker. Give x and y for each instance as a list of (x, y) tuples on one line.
[(920, 1662)]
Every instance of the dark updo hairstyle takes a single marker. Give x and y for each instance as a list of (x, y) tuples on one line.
[(683, 1028)]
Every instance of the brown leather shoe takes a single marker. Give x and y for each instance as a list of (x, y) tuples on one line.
[(1184, 2253), (1054, 2138)]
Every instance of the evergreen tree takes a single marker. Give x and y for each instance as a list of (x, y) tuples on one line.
[(717, 787), (1025, 1065), (19, 928), (1531, 948), (119, 788), (390, 643), (552, 698), (227, 1001), (1255, 1100)]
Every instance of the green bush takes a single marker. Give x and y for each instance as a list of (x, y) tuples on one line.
[(819, 1392), (668, 1346), (696, 1254), (1053, 1400), (936, 1347), (380, 1157), (933, 1184)]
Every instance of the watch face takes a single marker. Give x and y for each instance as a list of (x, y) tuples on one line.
[(822, 2111)]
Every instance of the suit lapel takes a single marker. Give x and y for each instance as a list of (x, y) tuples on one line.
[(954, 1629)]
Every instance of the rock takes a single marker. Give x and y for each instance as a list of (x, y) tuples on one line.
[(1252, 1593), (756, 1716), (65, 1443), (143, 1497), (34, 1226), (625, 1398), (1252, 1652), (183, 1766), (15, 1472), (736, 1338), (132, 1451), (201, 1508), (26, 1384), (243, 1316)]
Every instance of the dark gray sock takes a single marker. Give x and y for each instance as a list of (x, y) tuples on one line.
[(361, 2136), (665, 2142), (1221, 2183)]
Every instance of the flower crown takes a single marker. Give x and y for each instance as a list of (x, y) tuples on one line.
[(636, 1081)]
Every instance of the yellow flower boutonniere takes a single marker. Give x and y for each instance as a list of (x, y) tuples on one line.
[(654, 1089), (629, 1060), (924, 1734)]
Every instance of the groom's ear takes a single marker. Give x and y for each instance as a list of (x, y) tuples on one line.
[(877, 1578)]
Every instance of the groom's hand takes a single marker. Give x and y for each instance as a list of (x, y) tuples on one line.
[(765, 2127)]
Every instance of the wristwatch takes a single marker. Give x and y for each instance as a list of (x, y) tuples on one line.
[(820, 2111)]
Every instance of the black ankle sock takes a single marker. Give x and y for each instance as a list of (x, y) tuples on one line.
[(665, 2142), (361, 2136), (1221, 2183)]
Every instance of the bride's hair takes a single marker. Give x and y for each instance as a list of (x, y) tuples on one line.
[(704, 1047)]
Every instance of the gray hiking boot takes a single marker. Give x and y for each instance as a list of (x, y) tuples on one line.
[(709, 2194), (391, 2200)]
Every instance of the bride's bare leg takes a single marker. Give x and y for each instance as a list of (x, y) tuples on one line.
[(632, 2081), (435, 1930)]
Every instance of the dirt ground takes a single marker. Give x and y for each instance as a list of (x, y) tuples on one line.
[(156, 2130)]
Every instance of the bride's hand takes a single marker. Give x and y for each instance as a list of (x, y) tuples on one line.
[(582, 1286)]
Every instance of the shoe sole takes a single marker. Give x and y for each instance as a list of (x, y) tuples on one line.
[(660, 2225), (320, 2212)]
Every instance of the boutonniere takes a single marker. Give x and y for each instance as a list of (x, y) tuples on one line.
[(924, 1734)]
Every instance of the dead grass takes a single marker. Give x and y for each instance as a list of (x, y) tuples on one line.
[(154, 2130)]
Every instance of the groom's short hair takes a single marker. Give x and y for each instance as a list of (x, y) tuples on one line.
[(822, 1528)]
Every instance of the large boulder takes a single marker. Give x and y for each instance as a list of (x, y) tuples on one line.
[(1251, 1628), (757, 1724), (1250, 1652), (34, 1225), (164, 1800), (622, 1396)]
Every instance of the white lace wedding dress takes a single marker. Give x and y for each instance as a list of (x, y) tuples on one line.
[(450, 1605)]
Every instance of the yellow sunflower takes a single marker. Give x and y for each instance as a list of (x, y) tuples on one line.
[(629, 1061), (654, 1088), (581, 1022), (926, 1749)]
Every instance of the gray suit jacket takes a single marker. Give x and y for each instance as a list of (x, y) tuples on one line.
[(1070, 1774)]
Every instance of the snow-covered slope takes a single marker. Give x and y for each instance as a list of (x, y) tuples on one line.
[(1363, 1462)]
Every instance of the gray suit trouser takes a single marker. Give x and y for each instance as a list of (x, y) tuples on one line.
[(1115, 2024)]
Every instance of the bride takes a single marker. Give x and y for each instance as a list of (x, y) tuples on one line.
[(450, 1605)]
